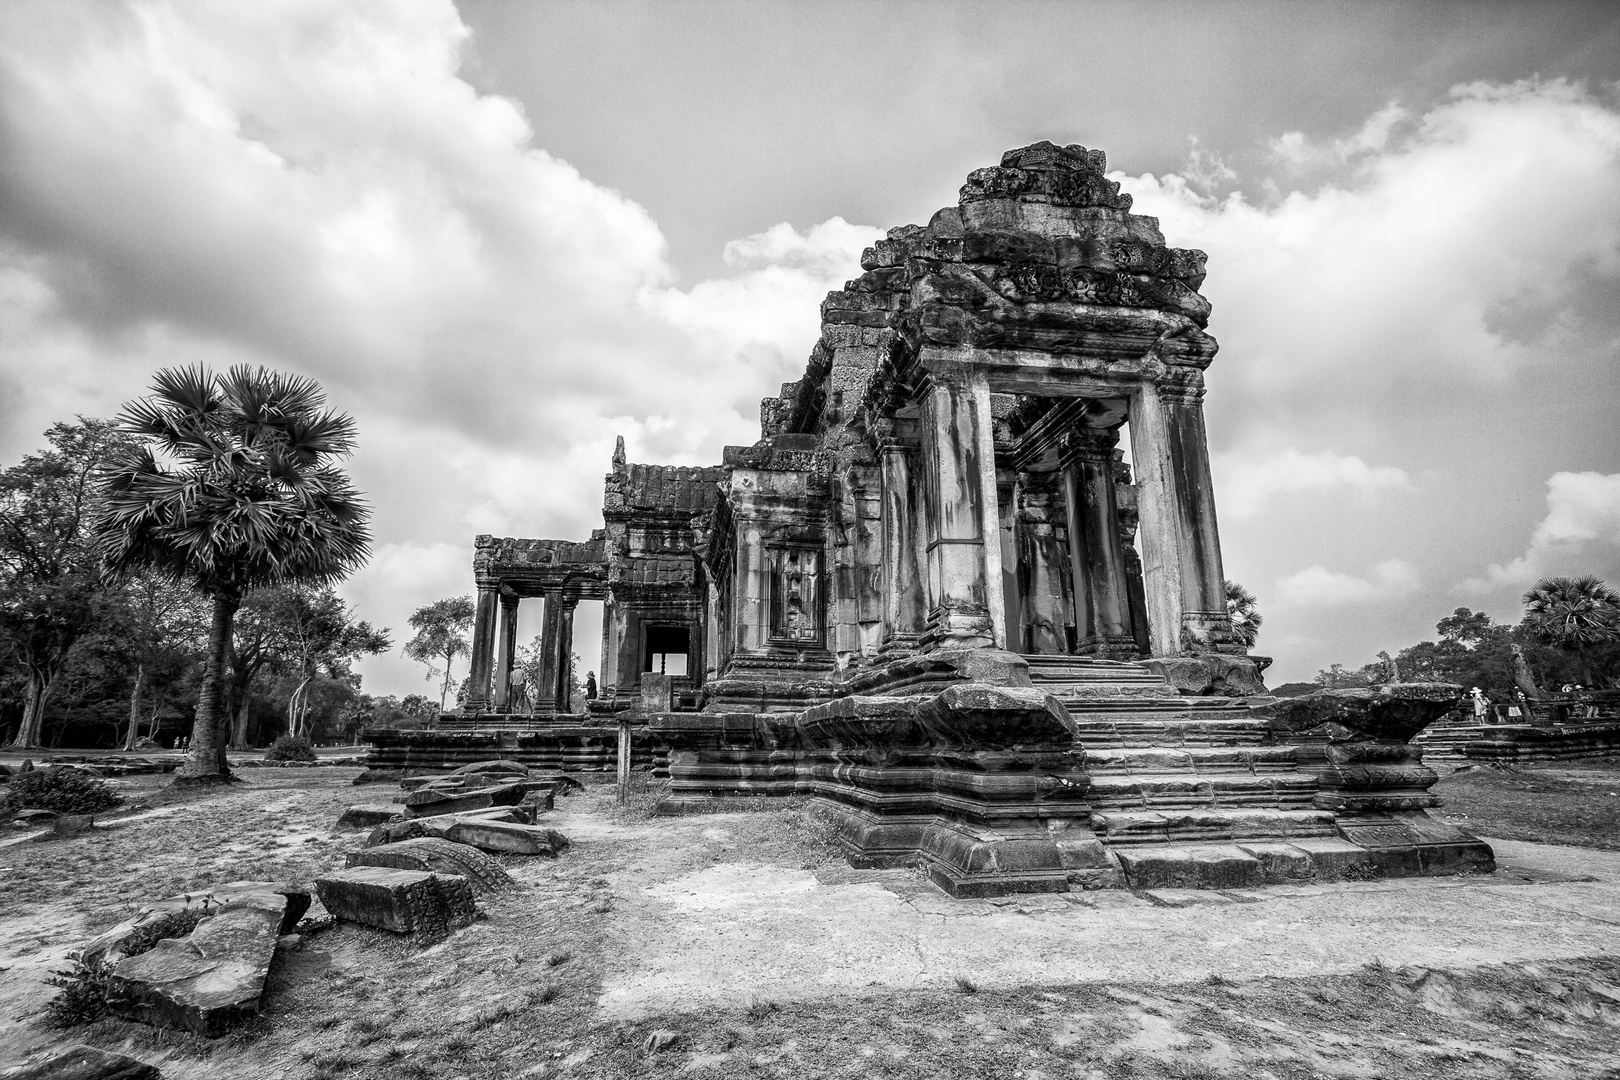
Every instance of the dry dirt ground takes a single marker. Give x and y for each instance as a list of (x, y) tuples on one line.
[(744, 938)]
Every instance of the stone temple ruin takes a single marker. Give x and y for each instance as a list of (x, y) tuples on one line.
[(936, 599)]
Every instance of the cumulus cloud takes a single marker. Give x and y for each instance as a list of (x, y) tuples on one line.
[(318, 188), (1452, 246), (1299, 150), (1247, 483), (1583, 513), (770, 313), (1319, 586)]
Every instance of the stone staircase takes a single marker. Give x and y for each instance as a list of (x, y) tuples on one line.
[(1189, 792)]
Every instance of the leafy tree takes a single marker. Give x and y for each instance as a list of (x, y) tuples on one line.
[(1242, 607), (1464, 627), (49, 595), (1338, 677), (156, 630), (233, 488), (442, 634), (260, 644), (324, 639), (1578, 615)]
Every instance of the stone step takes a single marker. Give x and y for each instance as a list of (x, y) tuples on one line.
[(1084, 669), (1242, 865), (1209, 825), (1198, 792), (1195, 759), (1118, 734), (1131, 705)]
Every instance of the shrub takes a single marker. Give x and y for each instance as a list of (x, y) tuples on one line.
[(60, 790), (290, 748)]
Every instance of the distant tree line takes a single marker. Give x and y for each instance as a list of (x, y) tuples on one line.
[(1568, 635), (178, 562)]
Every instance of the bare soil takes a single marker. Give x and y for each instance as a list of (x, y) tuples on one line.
[(747, 946)]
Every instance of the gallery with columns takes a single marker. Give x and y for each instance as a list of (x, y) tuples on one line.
[(965, 591)]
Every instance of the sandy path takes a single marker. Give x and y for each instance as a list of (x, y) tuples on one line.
[(727, 933)]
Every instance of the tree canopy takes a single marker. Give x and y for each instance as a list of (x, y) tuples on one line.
[(232, 485)]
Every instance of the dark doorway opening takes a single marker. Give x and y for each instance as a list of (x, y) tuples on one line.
[(665, 649)]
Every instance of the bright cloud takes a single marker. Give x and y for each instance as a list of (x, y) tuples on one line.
[(1450, 247), (317, 188), (1246, 483), (1317, 585), (1583, 510)]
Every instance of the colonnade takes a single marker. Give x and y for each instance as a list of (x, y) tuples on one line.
[(943, 581), (494, 651)]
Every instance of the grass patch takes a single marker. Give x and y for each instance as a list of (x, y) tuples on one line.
[(1574, 803)]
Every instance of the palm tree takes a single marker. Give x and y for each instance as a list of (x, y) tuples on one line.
[(1575, 614), (232, 488), (1246, 617)]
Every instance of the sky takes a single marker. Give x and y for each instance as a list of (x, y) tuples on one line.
[(501, 234)]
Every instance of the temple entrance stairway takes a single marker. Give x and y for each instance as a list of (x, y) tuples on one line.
[(1189, 791)]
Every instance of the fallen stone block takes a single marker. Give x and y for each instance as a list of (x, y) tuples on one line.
[(562, 783), (429, 803), (434, 855), (72, 825), (33, 818), (208, 980), (367, 815), (404, 901), (539, 802), (84, 1063), (439, 824), (507, 837), (109, 947), (499, 766), (412, 783)]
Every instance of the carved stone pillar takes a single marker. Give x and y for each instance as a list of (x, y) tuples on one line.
[(1102, 604), (904, 613), (955, 436), (1043, 567), (1159, 513), (1125, 495), (508, 646), (483, 650), (1203, 584), (550, 630), (565, 656)]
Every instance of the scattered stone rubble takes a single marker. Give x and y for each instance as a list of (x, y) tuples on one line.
[(435, 855), (404, 901), (84, 1063), (212, 977)]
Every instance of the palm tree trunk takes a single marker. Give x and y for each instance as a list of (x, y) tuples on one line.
[(135, 709), (39, 688), (206, 760)]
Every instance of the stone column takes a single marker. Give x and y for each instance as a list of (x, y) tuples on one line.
[(903, 600), (954, 431), (1042, 568), (1203, 581), (550, 630), (1102, 603), (508, 646), (1125, 494), (483, 650), (1159, 518), (607, 677), (565, 656)]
